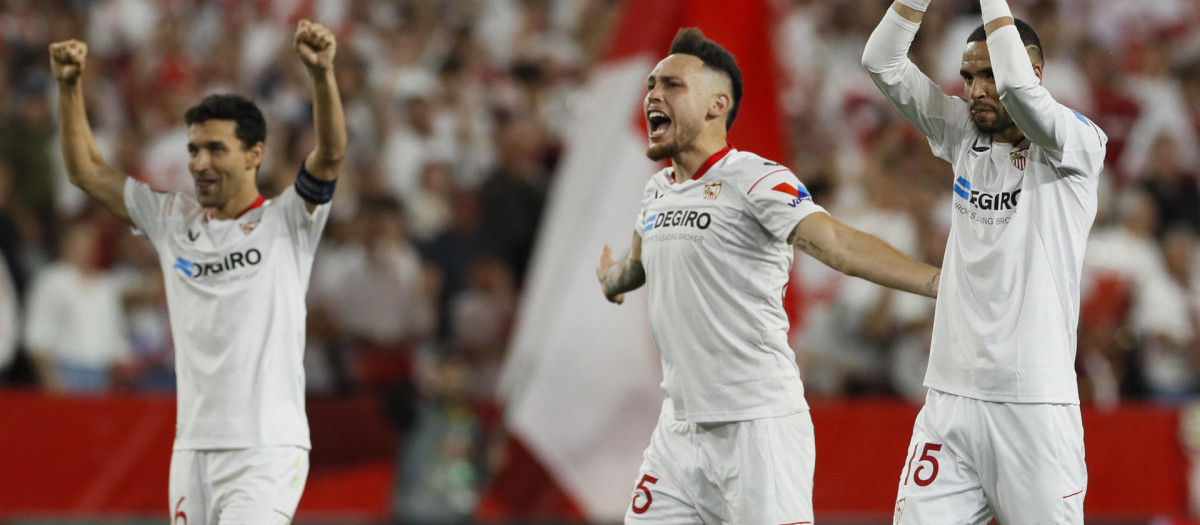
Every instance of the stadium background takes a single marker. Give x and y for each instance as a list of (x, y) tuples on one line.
[(462, 365)]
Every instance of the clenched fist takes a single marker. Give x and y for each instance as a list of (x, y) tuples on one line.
[(316, 45), (67, 60)]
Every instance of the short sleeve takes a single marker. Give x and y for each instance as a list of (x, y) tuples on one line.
[(148, 209), (779, 201), (305, 227)]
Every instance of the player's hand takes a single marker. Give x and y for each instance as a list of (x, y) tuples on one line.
[(67, 60), (316, 45), (606, 262)]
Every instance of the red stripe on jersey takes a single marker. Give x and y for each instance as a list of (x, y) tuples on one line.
[(257, 202), (760, 179), (715, 158), (784, 187)]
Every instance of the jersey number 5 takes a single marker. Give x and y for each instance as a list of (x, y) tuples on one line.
[(925, 457), (641, 486)]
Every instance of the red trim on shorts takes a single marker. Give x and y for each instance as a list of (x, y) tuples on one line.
[(280, 511), (799, 523), (1075, 494)]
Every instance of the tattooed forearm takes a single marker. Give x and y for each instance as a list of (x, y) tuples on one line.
[(626, 276), (931, 286)]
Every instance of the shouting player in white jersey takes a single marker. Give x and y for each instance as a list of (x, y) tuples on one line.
[(1000, 434), (237, 267), (714, 243)]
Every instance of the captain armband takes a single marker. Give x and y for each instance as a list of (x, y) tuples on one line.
[(312, 189)]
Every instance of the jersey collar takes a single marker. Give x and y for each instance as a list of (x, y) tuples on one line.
[(712, 160), (257, 202)]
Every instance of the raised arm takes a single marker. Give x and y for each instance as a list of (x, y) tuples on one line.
[(85, 165), (316, 47), (859, 254), (1033, 109), (616, 278), (885, 57)]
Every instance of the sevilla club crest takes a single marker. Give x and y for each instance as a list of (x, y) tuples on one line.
[(1018, 158), (711, 191)]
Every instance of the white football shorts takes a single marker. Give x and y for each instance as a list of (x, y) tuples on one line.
[(971, 460), (756, 472), (238, 486)]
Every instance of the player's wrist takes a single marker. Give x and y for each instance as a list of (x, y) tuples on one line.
[(318, 71), (994, 9), (919, 5)]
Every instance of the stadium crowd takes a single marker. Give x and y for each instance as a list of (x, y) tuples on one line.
[(456, 111)]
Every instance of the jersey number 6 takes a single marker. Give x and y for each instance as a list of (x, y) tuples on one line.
[(646, 478)]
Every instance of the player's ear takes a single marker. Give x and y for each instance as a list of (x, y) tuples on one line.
[(254, 156), (1037, 70), (720, 104)]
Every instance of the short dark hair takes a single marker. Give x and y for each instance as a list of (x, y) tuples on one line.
[(1029, 37), (690, 41), (251, 127)]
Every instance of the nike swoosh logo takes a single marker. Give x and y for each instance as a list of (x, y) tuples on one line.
[(975, 146)]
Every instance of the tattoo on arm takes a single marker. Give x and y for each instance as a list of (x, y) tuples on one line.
[(805, 245), (626, 276), (932, 280)]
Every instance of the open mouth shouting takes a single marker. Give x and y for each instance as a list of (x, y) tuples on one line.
[(658, 123)]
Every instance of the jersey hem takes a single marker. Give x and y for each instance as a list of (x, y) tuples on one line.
[(229, 445), (730, 417), (997, 397)]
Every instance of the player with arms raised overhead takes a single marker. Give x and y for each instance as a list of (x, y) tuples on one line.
[(1000, 433), (237, 267), (714, 244)]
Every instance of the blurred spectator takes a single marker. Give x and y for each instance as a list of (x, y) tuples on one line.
[(1175, 191), (75, 324), (425, 136), (849, 342), (1120, 259), (429, 208), (442, 461), (1166, 315), (27, 146), (152, 352), (453, 251), (513, 196), (381, 297), (482, 317)]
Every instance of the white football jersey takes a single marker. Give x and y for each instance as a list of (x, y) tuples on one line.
[(717, 262), (1004, 327), (235, 293)]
